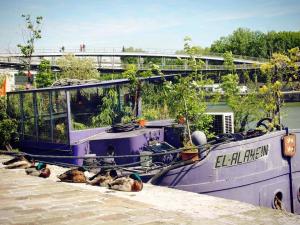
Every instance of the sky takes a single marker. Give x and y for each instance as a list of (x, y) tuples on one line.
[(147, 24)]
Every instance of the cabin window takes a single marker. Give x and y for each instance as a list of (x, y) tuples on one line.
[(44, 116), (59, 116), (98, 107), (84, 104), (41, 116), (153, 102), (28, 116), (14, 109)]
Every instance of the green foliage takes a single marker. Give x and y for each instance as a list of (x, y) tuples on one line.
[(44, 77), (184, 98), (257, 44), (33, 33), (229, 62), (78, 126), (271, 98), (111, 76), (8, 127), (246, 108), (282, 68), (129, 59), (193, 51), (294, 54), (154, 101), (135, 88), (2, 78), (200, 51), (76, 68), (109, 109)]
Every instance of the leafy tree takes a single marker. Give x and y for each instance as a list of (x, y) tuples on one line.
[(193, 62), (44, 77), (185, 99), (200, 51), (245, 42), (76, 68), (246, 108), (229, 62), (293, 77), (188, 94), (109, 109), (135, 88), (272, 101), (282, 68), (281, 71), (33, 33), (130, 59)]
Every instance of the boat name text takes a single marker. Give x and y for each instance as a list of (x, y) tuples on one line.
[(241, 157)]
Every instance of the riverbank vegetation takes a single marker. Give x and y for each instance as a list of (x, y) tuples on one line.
[(246, 42)]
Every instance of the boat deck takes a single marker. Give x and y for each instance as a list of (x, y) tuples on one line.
[(32, 200), (118, 135)]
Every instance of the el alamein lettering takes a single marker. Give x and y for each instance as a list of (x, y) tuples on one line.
[(241, 157)]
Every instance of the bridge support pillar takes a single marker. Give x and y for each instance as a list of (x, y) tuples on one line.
[(99, 60), (139, 62), (163, 61), (185, 65), (53, 61), (113, 62)]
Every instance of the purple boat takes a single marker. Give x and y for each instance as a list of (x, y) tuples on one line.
[(253, 171), (65, 125)]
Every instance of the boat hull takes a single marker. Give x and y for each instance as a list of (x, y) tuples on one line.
[(252, 171)]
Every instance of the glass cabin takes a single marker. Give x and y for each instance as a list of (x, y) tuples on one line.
[(73, 120)]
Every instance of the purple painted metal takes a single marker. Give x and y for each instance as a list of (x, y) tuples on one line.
[(255, 182), (126, 143), (78, 136)]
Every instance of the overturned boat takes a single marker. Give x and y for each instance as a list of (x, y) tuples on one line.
[(67, 125)]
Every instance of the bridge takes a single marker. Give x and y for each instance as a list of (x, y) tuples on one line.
[(114, 59)]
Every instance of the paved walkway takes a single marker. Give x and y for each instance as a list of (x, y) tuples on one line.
[(32, 200)]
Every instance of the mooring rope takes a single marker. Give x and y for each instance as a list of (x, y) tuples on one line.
[(205, 148), (106, 156)]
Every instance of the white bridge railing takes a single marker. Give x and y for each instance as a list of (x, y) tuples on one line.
[(112, 65), (120, 50)]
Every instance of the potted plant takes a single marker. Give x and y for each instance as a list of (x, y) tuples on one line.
[(141, 121), (181, 119)]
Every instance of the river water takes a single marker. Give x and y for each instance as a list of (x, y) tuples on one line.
[(290, 113)]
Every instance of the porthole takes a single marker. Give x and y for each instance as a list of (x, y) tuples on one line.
[(277, 201)]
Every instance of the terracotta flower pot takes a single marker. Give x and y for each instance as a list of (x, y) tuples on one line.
[(181, 119), (142, 122)]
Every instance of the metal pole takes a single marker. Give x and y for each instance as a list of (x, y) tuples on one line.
[(35, 110), (69, 116), (51, 117), (22, 115)]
